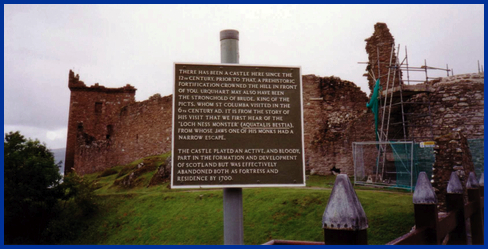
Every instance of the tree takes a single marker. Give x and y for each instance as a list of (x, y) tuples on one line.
[(31, 189)]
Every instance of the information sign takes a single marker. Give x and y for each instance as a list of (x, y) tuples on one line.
[(237, 126)]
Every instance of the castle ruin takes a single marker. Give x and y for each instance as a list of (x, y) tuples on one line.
[(107, 127)]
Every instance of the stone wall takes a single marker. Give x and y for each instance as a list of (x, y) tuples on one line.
[(455, 112), (456, 102), (143, 129), (335, 115), (382, 59), (123, 130), (91, 110), (452, 154), (381, 45), (107, 127), (138, 130)]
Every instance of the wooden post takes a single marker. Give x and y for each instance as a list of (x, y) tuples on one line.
[(477, 218), (455, 203), (425, 206), (344, 220), (482, 185), (482, 190)]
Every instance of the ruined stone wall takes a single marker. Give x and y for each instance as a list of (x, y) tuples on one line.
[(457, 114), (119, 130), (457, 102), (456, 106), (452, 154), (381, 45), (335, 115), (91, 111), (143, 129), (137, 130), (312, 118)]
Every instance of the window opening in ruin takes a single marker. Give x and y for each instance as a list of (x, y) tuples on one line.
[(110, 131), (137, 138), (98, 107), (80, 126), (123, 111)]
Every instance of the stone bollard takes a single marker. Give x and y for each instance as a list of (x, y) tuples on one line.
[(344, 220), (477, 218), (455, 202), (425, 206)]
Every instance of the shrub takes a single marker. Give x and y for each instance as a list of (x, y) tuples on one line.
[(39, 209), (31, 189), (81, 192), (77, 204)]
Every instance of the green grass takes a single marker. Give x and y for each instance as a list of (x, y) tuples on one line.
[(160, 216), (320, 181)]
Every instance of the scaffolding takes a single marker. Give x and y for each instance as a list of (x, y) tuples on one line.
[(396, 98)]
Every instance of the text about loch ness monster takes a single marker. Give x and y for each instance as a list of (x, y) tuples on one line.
[(222, 107)]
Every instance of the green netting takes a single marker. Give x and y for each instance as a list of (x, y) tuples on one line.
[(391, 168), (423, 160), (373, 105), (477, 149), (397, 170)]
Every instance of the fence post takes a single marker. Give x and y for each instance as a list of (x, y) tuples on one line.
[(482, 191), (477, 218), (425, 206), (455, 202), (344, 220)]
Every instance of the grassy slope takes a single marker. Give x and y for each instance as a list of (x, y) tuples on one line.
[(157, 215)]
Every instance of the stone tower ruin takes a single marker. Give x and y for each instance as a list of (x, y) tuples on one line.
[(107, 127), (381, 55), (90, 113)]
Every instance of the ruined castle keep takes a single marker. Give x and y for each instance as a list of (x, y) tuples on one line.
[(107, 127)]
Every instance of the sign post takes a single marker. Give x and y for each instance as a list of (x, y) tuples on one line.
[(236, 126), (233, 214)]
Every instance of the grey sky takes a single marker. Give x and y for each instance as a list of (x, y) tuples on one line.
[(137, 44)]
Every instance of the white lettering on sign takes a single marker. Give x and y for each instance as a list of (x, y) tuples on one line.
[(237, 125)]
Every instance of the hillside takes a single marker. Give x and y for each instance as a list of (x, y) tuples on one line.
[(157, 215), (59, 155)]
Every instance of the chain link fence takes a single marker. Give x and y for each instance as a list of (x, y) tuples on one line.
[(391, 164)]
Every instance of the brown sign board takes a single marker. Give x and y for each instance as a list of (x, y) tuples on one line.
[(237, 126)]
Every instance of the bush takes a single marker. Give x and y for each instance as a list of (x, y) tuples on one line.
[(81, 192), (31, 189), (77, 204), (39, 209)]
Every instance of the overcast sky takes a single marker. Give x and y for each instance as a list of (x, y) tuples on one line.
[(118, 44)]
